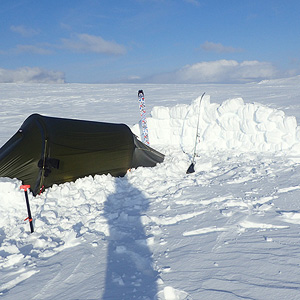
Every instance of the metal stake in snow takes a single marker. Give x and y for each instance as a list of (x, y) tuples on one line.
[(143, 116), (29, 218), (191, 168)]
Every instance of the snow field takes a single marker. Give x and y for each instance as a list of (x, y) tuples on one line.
[(228, 231)]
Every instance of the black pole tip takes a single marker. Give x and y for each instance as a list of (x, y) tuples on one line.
[(191, 169)]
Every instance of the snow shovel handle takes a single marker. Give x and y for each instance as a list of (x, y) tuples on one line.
[(29, 218)]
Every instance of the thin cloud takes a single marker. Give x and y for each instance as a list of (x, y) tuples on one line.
[(90, 43), (219, 48), (31, 75), (82, 43), (24, 31), (221, 71), (32, 49)]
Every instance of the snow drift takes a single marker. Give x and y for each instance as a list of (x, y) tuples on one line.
[(232, 125)]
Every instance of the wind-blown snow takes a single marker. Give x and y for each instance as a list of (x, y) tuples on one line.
[(228, 231)]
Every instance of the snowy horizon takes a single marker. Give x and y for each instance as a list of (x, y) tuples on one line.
[(209, 72)]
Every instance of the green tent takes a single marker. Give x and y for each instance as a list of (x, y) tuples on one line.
[(48, 150)]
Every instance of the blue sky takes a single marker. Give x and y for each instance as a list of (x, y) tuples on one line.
[(161, 41)]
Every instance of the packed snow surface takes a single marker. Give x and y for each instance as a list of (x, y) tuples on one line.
[(228, 231)]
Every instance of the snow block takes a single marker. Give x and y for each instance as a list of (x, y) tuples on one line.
[(232, 125)]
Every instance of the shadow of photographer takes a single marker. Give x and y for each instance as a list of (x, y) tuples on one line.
[(129, 274)]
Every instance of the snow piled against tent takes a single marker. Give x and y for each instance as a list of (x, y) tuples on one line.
[(232, 125)]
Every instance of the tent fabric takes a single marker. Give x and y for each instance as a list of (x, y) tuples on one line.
[(47, 151)]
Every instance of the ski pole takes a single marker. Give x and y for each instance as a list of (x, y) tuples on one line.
[(29, 218), (191, 168)]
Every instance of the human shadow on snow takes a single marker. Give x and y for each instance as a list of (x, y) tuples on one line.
[(129, 274)]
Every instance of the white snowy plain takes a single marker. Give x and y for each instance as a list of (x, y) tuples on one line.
[(230, 230)]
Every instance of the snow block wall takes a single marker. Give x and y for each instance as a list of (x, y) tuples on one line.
[(232, 125)]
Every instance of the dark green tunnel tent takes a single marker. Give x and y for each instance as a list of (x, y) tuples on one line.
[(48, 150)]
